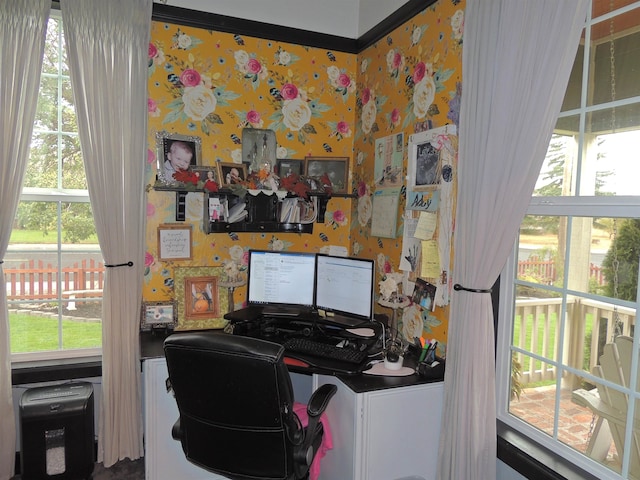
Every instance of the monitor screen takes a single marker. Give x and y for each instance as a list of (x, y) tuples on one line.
[(281, 278), (344, 286)]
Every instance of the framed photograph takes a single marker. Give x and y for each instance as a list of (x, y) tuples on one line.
[(207, 173), (201, 301), (231, 173), (424, 294), (174, 241), (337, 168), (287, 166), (176, 152), (426, 166), (158, 315)]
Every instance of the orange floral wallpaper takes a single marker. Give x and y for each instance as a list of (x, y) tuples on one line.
[(321, 103), (408, 81), (212, 85)]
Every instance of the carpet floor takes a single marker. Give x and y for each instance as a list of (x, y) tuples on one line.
[(122, 470)]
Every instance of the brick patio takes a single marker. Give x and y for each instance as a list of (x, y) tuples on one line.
[(536, 407)]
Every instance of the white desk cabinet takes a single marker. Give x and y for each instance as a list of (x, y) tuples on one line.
[(377, 435), (383, 434), (163, 457)]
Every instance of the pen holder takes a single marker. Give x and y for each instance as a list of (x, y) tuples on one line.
[(433, 370)]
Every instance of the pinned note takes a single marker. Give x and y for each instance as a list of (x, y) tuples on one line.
[(426, 226), (430, 266)]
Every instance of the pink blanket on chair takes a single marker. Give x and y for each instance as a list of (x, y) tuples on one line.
[(327, 442)]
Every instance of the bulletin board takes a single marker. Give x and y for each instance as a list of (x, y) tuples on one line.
[(431, 195)]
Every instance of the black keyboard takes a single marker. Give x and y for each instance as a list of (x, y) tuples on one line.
[(306, 346)]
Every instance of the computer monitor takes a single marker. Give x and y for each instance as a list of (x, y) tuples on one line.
[(278, 278), (344, 288)]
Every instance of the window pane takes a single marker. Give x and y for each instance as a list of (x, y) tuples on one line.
[(559, 164), (55, 295), (51, 58), (47, 109), (615, 71), (538, 260), (607, 165), (620, 119), (73, 176), (69, 124), (42, 167)]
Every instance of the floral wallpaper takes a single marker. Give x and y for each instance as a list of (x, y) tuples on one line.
[(322, 103), (407, 82), (212, 85)]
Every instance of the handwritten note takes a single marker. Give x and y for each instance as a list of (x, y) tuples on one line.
[(430, 266), (426, 226), (174, 242)]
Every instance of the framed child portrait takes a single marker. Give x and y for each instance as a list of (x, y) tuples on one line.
[(231, 173), (176, 152)]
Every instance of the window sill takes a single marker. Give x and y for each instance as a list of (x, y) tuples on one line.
[(37, 372), (533, 460)]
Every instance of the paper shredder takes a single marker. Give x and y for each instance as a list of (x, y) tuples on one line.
[(57, 432)]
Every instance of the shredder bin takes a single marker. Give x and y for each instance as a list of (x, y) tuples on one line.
[(57, 432)]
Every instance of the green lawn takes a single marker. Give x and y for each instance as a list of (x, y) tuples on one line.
[(36, 236), (31, 333)]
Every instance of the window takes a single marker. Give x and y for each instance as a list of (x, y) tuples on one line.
[(54, 269), (567, 345)]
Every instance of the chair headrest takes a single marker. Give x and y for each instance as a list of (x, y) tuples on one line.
[(222, 342)]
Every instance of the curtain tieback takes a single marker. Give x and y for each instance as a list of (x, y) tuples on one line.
[(457, 286), (128, 264)]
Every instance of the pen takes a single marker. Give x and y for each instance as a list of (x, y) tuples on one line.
[(431, 352)]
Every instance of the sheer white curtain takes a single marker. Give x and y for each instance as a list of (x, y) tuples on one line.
[(516, 61), (23, 27), (107, 42)]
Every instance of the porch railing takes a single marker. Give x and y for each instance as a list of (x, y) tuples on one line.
[(589, 323)]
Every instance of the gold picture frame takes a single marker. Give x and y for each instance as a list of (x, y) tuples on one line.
[(201, 302), (231, 173)]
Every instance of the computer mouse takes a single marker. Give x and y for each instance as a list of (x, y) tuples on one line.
[(362, 331)]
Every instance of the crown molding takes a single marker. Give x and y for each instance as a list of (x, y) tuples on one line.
[(239, 26)]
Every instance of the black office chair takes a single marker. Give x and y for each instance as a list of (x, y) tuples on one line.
[(235, 399)]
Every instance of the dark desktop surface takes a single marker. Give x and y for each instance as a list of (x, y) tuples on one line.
[(277, 329)]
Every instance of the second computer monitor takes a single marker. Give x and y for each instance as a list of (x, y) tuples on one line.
[(344, 288)]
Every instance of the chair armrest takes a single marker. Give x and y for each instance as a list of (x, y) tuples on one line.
[(320, 399), (176, 431), (305, 452)]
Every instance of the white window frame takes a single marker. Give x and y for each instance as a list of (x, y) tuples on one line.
[(55, 195), (570, 206)]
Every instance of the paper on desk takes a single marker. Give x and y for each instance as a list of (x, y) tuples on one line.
[(426, 226), (430, 266)]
